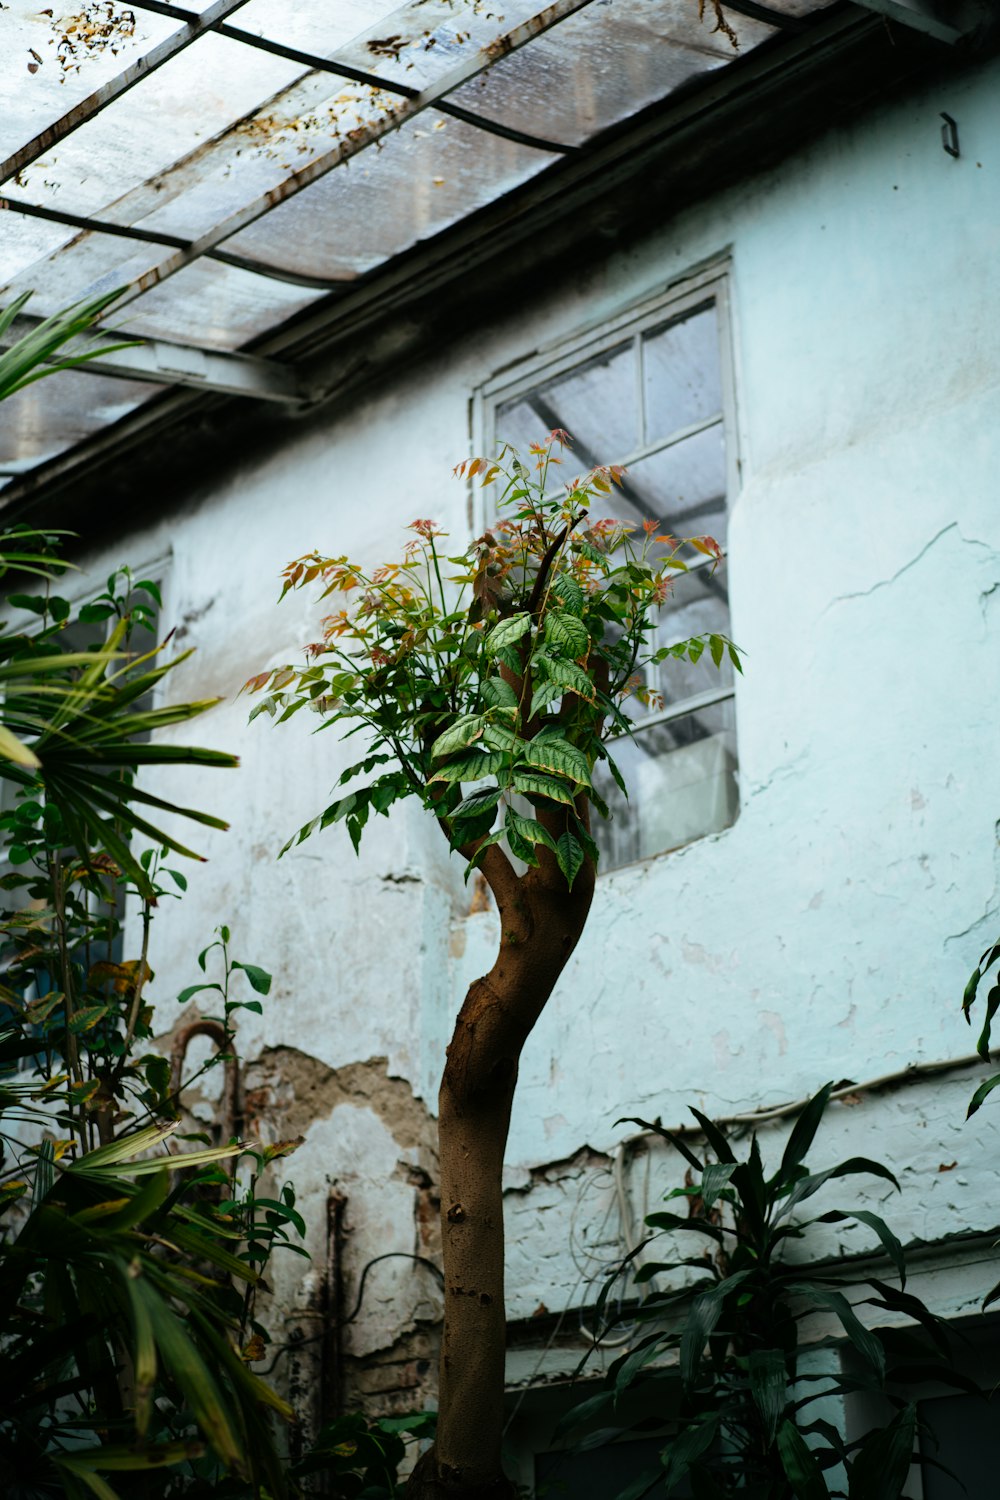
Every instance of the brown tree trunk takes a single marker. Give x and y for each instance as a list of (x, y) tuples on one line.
[(540, 923)]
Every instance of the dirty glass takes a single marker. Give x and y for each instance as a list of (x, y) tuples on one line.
[(683, 784), (601, 65), (216, 306), (682, 381), (50, 59), (595, 403), (415, 183), (40, 421), (657, 392), (223, 127)]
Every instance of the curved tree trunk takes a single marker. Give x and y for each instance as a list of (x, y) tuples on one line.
[(540, 923)]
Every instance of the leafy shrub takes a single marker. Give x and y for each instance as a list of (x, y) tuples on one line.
[(725, 1350)]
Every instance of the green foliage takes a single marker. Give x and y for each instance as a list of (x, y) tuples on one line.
[(32, 356), (724, 1348), (362, 1457), (503, 667), (990, 958)]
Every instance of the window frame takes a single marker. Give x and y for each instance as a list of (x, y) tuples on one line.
[(672, 303)]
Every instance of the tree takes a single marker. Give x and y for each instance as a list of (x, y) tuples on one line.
[(507, 677)]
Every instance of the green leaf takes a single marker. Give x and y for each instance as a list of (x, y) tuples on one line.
[(477, 802), (715, 1177), (768, 1386), (195, 989), (498, 693), (674, 1223), (570, 857), (560, 758), (528, 830), (982, 1093), (799, 1463), (880, 1468), (566, 633), (87, 1018), (714, 1136), (619, 778), (506, 633), (691, 1444), (890, 1243), (458, 736), (804, 1132), (566, 675), (703, 1315), (566, 589), (180, 1355), (534, 784), (476, 765), (992, 1004), (911, 1307), (259, 979), (806, 1186), (867, 1345)]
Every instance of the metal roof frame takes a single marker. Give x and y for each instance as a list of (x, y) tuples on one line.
[(318, 339), (116, 87), (166, 362), (361, 139)]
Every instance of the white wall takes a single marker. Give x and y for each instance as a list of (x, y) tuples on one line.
[(829, 932)]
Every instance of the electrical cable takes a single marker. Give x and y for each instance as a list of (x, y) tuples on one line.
[(315, 1338), (908, 1074)]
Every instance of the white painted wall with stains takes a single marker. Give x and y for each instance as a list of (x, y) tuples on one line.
[(828, 933)]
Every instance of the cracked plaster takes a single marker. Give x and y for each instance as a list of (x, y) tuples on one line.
[(831, 929)]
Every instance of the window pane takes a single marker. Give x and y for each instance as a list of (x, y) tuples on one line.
[(682, 377), (682, 785), (595, 403), (699, 602), (683, 487)]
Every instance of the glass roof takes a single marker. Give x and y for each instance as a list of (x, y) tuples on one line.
[(231, 162)]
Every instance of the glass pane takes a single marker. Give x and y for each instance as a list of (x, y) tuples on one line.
[(683, 487), (320, 26), (200, 92), (698, 602), (53, 414), (682, 781), (419, 180), (603, 64), (595, 403), (213, 305), (51, 59), (418, 42), (25, 240), (682, 374)]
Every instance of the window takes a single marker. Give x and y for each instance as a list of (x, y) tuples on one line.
[(653, 392)]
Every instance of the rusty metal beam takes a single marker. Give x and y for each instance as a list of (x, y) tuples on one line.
[(166, 363), (115, 87), (90, 225), (477, 63), (317, 64)]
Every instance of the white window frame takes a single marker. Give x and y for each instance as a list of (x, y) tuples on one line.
[(678, 299)]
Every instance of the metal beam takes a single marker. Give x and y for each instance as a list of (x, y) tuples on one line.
[(91, 225), (926, 16), (471, 67), (115, 87), (165, 363), (318, 64)]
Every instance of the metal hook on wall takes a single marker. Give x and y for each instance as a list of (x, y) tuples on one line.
[(949, 135)]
